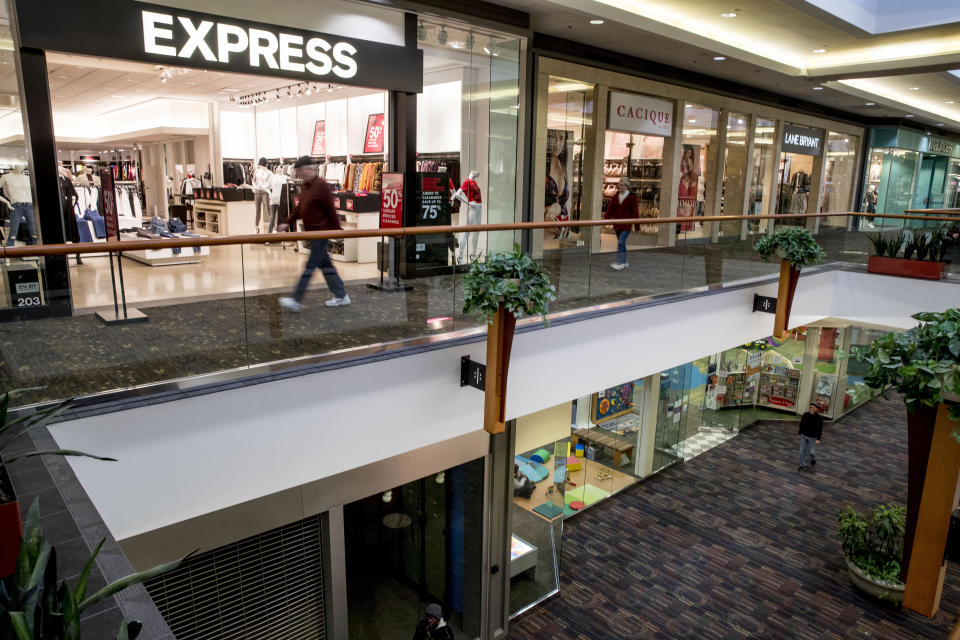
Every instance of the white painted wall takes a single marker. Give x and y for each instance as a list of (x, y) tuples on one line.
[(183, 459)]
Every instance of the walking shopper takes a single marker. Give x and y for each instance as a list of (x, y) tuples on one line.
[(433, 626), (622, 205), (811, 429), (317, 212)]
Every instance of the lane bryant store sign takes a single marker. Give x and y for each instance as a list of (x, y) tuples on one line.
[(131, 30)]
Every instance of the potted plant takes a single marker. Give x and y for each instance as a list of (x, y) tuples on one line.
[(873, 548), (10, 431), (921, 255), (498, 291), (34, 605), (796, 248), (922, 363)]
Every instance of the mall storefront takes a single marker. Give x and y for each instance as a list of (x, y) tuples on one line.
[(685, 152), (909, 170), (181, 109), (582, 452)]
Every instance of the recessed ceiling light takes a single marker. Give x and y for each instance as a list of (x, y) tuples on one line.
[(821, 50), (692, 120), (719, 58), (909, 115), (948, 102), (818, 88), (939, 124), (117, 96), (230, 90), (914, 88), (728, 14), (688, 106), (869, 104), (596, 21)]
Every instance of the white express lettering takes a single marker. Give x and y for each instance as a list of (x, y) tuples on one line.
[(346, 66), (196, 41), (316, 51), (291, 47), (267, 51), (226, 46), (151, 32)]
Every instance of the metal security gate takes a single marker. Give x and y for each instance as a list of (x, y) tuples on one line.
[(269, 585)]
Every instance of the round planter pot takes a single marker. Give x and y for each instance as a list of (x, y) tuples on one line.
[(873, 587)]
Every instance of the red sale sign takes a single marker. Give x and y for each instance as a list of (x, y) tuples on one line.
[(391, 201), (319, 147), (373, 143)]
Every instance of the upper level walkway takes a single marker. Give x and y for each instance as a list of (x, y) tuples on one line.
[(737, 544), (192, 340)]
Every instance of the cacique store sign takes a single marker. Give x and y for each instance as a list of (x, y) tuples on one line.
[(131, 30)]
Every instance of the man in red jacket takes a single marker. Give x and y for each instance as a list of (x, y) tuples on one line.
[(317, 212), (623, 205)]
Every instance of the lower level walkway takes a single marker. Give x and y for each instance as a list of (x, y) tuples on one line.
[(737, 544)]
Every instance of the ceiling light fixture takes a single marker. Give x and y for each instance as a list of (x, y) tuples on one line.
[(818, 88), (939, 124), (442, 36), (728, 14), (596, 21), (692, 120), (719, 58), (869, 104), (914, 89), (909, 115), (948, 102), (820, 50)]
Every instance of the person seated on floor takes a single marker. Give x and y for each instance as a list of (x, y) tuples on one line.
[(522, 485)]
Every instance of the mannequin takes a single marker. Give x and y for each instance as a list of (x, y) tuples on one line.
[(15, 187), (469, 193), (68, 200), (275, 186)]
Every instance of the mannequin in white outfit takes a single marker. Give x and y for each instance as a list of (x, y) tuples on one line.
[(469, 194)]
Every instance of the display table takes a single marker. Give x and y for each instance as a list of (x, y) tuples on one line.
[(161, 257), (219, 218), (523, 556)]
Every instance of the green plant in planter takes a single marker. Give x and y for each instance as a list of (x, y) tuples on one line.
[(894, 244), (875, 543), (795, 244), (514, 280), (34, 607), (880, 243)]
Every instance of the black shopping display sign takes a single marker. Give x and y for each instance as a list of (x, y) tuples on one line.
[(23, 282), (432, 209), (808, 142), (178, 37)]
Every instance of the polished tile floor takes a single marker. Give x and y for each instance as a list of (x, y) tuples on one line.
[(736, 544)]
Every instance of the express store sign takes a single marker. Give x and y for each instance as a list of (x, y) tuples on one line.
[(640, 114), (164, 35)]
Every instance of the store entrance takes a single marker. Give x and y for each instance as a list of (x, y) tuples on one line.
[(930, 192), (794, 185)]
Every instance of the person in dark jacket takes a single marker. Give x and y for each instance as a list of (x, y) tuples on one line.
[(811, 429), (317, 212), (433, 626), (622, 205)]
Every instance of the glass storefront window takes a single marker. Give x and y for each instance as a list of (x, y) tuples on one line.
[(838, 176), (640, 159), (734, 173), (762, 159), (569, 120), (891, 174), (700, 145), (951, 198)]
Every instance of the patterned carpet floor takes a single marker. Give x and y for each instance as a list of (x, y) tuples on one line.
[(737, 544)]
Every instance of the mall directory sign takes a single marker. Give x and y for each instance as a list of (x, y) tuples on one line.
[(127, 30), (391, 201)]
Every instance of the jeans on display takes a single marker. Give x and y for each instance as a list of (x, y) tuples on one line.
[(274, 208), (807, 445), (474, 216), (22, 211), (320, 259), (622, 246), (261, 200)]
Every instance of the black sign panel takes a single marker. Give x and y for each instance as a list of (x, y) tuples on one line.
[(164, 35), (432, 208), (473, 373), (24, 283), (764, 303), (809, 142)]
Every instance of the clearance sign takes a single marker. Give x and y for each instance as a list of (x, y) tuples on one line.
[(640, 114)]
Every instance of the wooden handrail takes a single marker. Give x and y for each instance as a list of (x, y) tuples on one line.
[(138, 245)]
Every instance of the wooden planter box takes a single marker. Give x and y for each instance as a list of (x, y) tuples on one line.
[(907, 268)]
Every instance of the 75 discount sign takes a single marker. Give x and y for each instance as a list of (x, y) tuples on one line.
[(391, 201)]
